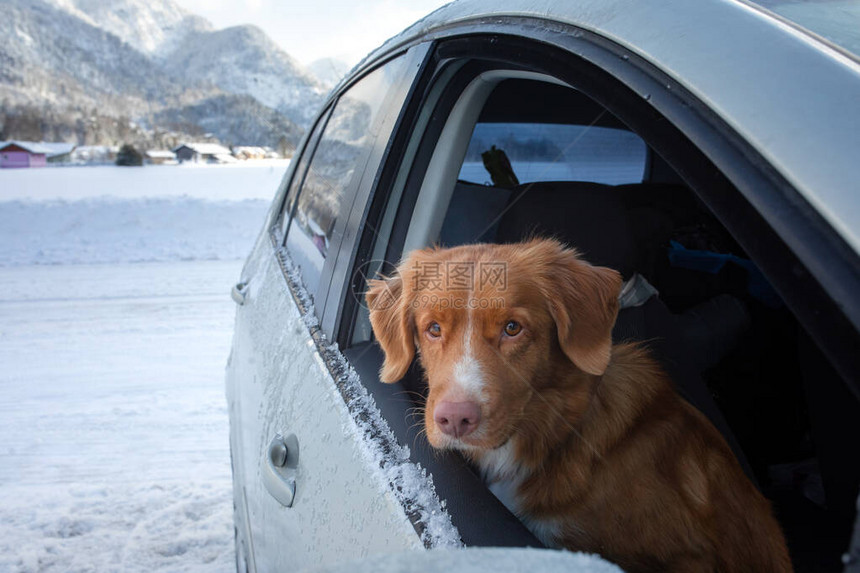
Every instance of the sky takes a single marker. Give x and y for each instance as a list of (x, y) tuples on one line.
[(309, 30)]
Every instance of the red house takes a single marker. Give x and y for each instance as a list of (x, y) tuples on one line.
[(22, 154)]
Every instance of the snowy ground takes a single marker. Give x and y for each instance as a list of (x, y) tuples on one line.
[(115, 325), (246, 180)]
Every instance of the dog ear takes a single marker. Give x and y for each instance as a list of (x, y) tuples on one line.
[(392, 324), (583, 300)]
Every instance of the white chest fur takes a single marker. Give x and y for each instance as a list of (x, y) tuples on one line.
[(504, 475)]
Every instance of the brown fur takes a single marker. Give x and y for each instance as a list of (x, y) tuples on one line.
[(610, 459)]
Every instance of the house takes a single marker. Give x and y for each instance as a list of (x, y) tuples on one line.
[(160, 156), (33, 154), (59, 152), (203, 153), (22, 154), (95, 154), (249, 152)]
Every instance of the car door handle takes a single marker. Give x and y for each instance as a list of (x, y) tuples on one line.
[(280, 461), (238, 293)]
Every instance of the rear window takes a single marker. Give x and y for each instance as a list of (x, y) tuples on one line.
[(557, 152), (349, 132)]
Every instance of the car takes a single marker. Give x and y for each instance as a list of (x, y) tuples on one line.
[(709, 151)]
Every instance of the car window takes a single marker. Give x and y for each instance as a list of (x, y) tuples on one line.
[(669, 221), (300, 170), (347, 136), (553, 152)]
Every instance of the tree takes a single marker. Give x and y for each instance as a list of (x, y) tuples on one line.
[(129, 156)]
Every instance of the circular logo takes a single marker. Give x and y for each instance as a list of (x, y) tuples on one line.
[(382, 297)]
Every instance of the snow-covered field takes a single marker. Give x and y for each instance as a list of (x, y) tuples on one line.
[(115, 325), (246, 180)]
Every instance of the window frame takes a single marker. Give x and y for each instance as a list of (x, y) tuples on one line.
[(803, 257), (279, 219), (756, 204), (285, 219)]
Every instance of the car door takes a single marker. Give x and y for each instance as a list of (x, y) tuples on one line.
[(316, 477), (708, 163)]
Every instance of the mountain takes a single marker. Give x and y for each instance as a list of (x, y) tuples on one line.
[(244, 60), (138, 69), (54, 58), (225, 116), (153, 28)]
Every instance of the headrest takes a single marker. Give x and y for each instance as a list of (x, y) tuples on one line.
[(590, 217)]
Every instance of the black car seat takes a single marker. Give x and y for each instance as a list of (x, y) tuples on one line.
[(627, 228), (473, 214)]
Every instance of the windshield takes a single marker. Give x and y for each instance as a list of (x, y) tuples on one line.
[(835, 20)]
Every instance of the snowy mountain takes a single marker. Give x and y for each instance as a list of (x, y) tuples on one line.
[(58, 59), (244, 60), (236, 119), (153, 28), (109, 70)]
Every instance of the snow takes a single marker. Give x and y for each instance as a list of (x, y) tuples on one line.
[(114, 427), (98, 231), (160, 154), (113, 422), (246, 180)]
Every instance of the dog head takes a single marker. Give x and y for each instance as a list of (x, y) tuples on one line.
[(491, 323)]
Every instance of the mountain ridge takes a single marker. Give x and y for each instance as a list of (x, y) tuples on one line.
[(92, 72)]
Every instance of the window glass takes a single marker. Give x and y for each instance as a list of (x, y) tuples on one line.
[(301, 168), (347, 136), (558, 152)]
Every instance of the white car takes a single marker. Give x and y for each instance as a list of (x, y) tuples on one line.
[(708, 150)]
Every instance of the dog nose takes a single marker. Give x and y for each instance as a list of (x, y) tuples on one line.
[(457, 419)]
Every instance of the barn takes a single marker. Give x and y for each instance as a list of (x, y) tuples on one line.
[(22, 154), (203, 153), (160, 157)]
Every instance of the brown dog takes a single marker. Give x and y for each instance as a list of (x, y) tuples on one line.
[(586, 442)]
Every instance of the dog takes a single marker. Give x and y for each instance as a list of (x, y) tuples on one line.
[(586, 442)]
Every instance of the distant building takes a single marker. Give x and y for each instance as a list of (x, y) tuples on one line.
[(59, 152), (203, 153), (22, 154), (250, 152), (95, 154), (33, 154), (160, 156)]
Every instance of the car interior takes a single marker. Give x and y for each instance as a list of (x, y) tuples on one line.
[(501, 171)]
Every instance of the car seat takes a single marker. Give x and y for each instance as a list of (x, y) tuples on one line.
[(628, 228)]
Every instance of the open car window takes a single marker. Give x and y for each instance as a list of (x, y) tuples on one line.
[(648, 203)]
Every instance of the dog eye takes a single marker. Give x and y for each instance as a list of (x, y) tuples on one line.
[(434, 330), (512, 328)]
